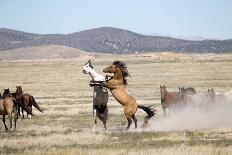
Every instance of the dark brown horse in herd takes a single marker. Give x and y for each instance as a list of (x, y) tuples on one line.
[(27, 100), (10, 104)]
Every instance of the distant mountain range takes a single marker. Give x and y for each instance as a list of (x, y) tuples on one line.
[(111, 40)]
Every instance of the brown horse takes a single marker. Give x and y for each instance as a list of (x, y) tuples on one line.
[(185, 94), (8, 107), (117, 87), (27, 100), (168, 99), (211, 96)]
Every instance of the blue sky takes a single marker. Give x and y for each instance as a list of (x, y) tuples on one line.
[(206, 18)]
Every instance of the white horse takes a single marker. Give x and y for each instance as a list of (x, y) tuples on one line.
[(100, 95)]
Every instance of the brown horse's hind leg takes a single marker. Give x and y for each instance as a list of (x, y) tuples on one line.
[(164, 110), (29, 115), (15, 121), (135, 120), (4, 121), (129, 122)]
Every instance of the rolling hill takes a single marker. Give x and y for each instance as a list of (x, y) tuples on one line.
[(111, 40)]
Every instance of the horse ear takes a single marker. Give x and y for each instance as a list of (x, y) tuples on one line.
[(90, 64), (160, 86)]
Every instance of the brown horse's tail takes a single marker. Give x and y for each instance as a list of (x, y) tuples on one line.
[(34, 103), (149, 110)]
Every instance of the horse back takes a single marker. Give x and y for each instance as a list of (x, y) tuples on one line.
[(7, 106), (172, 97), (26, 99), (190, 90)]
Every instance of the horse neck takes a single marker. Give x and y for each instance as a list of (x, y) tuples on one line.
[(118, 75), (166, 94), (19, 92), (94, 74), (4, 96)]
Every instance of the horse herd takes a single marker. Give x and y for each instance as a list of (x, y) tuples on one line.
[(116, 84), (185, 97), (11, 103)]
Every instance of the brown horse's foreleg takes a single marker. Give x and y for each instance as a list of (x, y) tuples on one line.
[(15, 121), (107, 85), (135, 120), (18, 110), (10, 119), (4, 121)]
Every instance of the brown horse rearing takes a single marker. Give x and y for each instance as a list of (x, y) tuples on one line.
[(117, 87), (26, 99)]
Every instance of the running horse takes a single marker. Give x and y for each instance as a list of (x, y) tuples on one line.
[(169, 99), (27, 100), (100, 95), (116, 85), (185, 94)]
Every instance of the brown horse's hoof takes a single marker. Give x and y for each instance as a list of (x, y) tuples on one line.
[(145, 125)]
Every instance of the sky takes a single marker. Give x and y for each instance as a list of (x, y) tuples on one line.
[(188, 18)]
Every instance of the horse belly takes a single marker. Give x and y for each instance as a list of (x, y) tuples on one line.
[(121, 96), (100, 97)]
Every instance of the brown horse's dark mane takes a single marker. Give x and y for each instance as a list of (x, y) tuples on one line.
[(123, 69)]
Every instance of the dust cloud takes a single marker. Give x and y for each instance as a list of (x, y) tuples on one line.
[(200, 113)]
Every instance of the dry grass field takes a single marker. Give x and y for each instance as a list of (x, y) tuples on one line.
[(65, 127)]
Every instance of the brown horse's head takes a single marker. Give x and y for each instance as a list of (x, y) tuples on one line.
[(6, 93), (211, 93), (181, 92), (163, 92), (118, 68), (19, 90)]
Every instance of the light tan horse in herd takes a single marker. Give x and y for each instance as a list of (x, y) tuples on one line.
[(8, 107), (117, 87)]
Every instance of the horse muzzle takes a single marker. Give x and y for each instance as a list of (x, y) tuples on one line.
[(84, 72)]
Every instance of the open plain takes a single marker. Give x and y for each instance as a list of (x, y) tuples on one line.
[(65, 127)]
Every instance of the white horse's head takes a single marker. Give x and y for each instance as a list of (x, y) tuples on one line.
[(87, 68)]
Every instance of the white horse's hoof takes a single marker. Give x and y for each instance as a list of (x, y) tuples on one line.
[(29, 117)]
